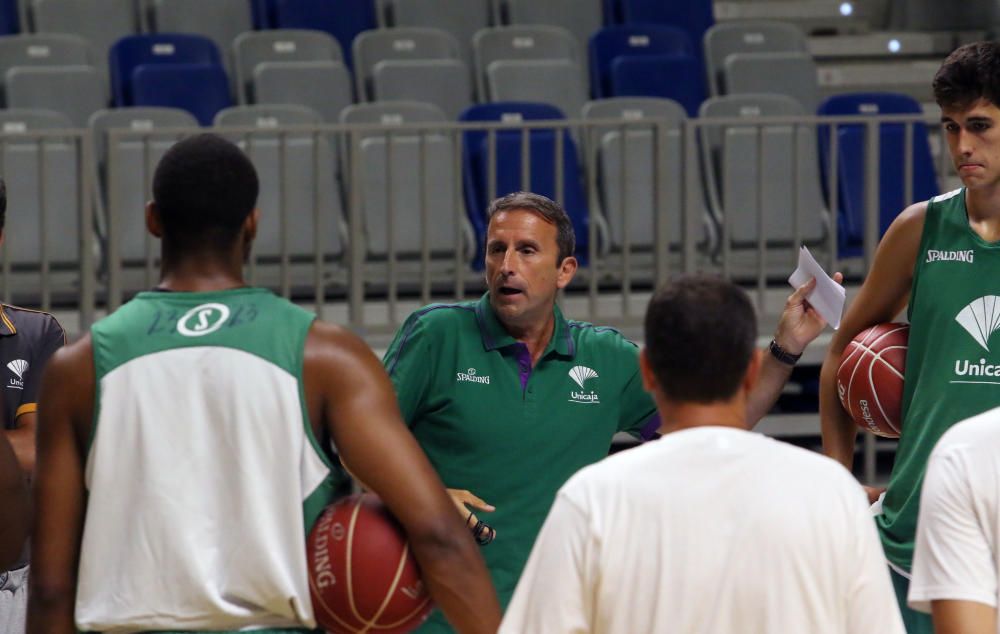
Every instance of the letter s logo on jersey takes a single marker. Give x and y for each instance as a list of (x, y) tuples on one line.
[(203, 320)]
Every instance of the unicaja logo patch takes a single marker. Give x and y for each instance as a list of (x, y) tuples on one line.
[(469, 376), (580, 375), (203, 320), (18, 367), (981, 318)]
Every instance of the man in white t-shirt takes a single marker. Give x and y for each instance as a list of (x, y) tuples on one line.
[(956, 558), (712, 528)]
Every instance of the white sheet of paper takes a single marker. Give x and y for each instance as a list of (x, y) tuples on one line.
[(828, 297)]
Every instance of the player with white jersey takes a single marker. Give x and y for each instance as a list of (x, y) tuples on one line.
[(957, 556), (712, 528)]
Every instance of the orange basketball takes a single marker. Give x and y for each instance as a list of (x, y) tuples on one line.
[(870, 378), (362, 575)]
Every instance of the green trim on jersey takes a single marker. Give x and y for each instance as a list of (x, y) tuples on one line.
[(952, 362)]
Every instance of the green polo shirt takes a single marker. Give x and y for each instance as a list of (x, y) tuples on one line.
[(509, 433)]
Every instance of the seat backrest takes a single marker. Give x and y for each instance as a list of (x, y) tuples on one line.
[(722, 40), (767, 171), (402, 43), (137, 50), (628, 172), (509, 162), (403, 202), (100, 22), (219, 20), (852, 167), (612, 42), (10, 21), (43, 177), (343, 19), (55, 49), (75, 91), (324, 86), (693, 16), (442, 82), (932, 15), (461, 18), (790, 74), (289, 166), (533, 42), (581, 18), (676, 77), (284, 45), (554, 81), (201, 89)]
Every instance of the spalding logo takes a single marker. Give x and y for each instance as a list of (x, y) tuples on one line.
[(414, 591), (324, 575)]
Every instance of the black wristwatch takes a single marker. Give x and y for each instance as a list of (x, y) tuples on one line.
[(780, 354)]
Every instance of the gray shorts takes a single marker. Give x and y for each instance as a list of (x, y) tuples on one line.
[(13, 600)]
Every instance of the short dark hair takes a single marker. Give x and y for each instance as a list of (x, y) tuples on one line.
[(701, 332), (970, 73), (204, 188), (3, 204), (548, 209)]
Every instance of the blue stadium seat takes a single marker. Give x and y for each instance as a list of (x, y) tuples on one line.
[(541, 148), (201, 89), (693, 16), (612, 12), (851, 168), (343, 19), (677, 77), (612, 42), (133, 51), (262, 14), (10, 23)]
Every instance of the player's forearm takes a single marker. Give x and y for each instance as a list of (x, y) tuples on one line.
[(837, 429), (963, 617), (50, 608), (773, 376), (23, 442), (459, 582)]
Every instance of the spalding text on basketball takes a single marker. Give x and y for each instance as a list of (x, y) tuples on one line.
[(324, 576)]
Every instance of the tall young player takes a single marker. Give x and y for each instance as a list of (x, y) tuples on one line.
[(180, 460), (941, 258)]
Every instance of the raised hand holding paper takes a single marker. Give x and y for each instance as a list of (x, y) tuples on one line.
[(828, 296)]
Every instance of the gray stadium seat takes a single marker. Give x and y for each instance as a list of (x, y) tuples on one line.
[(100, 22), (135, 160), (773, 167), (790, 74), (442, 82), (219, 20), (557, 82), (391, 171), (403, 43), (289, 188), (75, 91), (536, 42), (323, 86), (52, 49), (461, 18), (280, 45), (934, 15), (722, 40), (582, 18)]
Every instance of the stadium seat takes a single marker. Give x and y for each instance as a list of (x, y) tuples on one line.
[(201, 89), (402, 43), (73, 91), (396, 169), (445, 83), (763, 181), (934, 15), (613, 42), (288, 165), (461, 18), (10, 21), (892, 158), (219, 20), (558, 82), (262, 15), (343, 19), (694, 17), (142, 50), (100, 22), (790, 74), (54, 49), (281, 45), (533, 42), (508, 175), (582, 18), (677, 77), (323, 86), (723, 40)]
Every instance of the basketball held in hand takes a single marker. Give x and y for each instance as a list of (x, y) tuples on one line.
[(362, 575), (870, 378)]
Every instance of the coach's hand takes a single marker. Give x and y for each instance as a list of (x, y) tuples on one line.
[(800, 323), (465, 502)]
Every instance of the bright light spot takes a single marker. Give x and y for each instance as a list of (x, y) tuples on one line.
[(894, 46), (846, 9)]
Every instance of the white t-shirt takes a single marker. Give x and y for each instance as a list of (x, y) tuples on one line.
[(956, 555), (711, 529)]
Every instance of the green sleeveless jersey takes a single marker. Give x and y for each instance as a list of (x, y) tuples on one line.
[(952, 363), (203, 475)]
